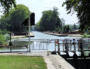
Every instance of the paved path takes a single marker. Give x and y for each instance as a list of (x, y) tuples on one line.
[(37, 53), (49, 63), (57, 62)]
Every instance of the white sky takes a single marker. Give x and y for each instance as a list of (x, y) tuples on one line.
[(38, 6)]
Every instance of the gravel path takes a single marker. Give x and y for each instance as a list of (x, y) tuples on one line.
[(57, 62)]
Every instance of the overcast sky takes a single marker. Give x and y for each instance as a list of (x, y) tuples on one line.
[(38, 6)]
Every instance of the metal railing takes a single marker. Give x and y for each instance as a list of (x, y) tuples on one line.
[(59, 45)]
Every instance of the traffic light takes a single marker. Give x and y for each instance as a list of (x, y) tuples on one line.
[(32, 19)]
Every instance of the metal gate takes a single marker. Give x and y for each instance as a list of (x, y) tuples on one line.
[(35, 46)]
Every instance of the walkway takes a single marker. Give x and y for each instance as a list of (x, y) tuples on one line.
[(36, 53), (57, 62)]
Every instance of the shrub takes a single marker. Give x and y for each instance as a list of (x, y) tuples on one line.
[(2, 39), (4, 32), (86, 36)]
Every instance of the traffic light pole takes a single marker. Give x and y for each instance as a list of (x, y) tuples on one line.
[(30, 23), (29, 33)]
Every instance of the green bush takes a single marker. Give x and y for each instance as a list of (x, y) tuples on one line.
[(3, 32), (86, 36), (2, 39)]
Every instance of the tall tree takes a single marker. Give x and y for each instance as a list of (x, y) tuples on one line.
[(7, 4), (14, 19), (66, 29), (50, 20), (74, 26), (83, 9)]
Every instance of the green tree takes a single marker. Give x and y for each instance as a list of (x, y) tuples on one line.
[(7, 4), (50, 20), (17, 17), (66, 29), (83, 9), (37, 26), (74, 26), (14, 19), (3, 22)]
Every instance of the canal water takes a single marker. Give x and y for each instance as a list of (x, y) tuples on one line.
[(40, 35), (51, 45), (37, 42)]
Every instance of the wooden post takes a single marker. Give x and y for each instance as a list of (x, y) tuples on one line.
[(55, 46), (81, 47), (63, 45), (66, 47), (78, 45), (74, 44), (70, 45), (58, 47)]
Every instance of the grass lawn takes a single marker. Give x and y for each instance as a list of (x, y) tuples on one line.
[(22, 62)]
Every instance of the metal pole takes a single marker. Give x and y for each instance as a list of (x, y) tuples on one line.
[(59, 48), (29, 33), (10, 44)]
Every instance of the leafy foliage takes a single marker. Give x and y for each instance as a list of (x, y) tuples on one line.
[(2, 39), (7, 4), (83, 9), (86, 36), (14, 19), (66, 29), (4, 32), (17, 17), (49, 21)]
